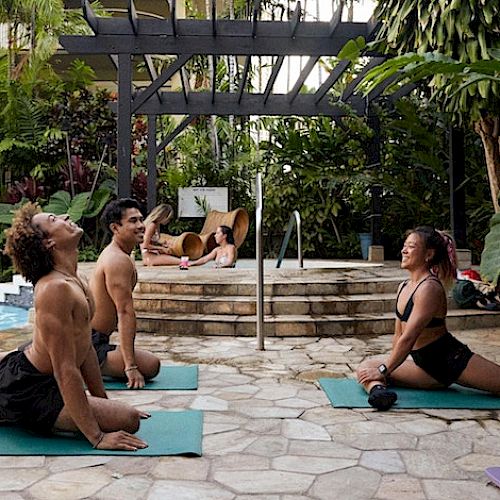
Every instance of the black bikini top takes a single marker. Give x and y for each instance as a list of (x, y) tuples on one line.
[(409, 306)]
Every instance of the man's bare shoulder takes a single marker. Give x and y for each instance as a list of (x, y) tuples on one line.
[(113, 260), (52, 291)]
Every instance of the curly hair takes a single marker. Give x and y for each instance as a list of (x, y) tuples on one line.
[(25, 245)]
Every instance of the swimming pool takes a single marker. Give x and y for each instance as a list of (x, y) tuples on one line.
[(12, 317)]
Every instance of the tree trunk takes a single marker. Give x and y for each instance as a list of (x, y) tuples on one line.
[(488, 128)]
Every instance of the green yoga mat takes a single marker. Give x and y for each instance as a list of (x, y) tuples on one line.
[(170, 378), (166, 432), (347, 393)]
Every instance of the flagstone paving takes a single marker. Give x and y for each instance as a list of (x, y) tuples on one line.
[(271, 434)]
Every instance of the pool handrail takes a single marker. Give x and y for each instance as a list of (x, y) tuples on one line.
[(260, 262), (295, 216)]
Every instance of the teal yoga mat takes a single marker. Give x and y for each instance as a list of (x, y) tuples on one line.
[(170, 378), (347, 393), (166, 432)]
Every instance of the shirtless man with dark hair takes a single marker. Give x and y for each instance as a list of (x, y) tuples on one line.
[(42, 387), (112, 284)]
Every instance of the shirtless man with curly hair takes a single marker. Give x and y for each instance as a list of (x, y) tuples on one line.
[(42, 387)]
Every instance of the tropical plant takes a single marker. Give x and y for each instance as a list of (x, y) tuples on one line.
[(318, 168), (490, 258), (425, 34)]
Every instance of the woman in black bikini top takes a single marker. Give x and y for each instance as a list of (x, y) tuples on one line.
[(438, 359), (434, 322)]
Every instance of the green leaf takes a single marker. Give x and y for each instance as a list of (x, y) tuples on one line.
[(58, 203), (97, 202), (352, 49), (490, 258), (78, 205)]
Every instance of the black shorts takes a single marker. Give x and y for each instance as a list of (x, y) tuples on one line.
[(28, 398), (444, 359), (101, 346)]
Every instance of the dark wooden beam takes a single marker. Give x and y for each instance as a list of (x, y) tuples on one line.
[(226, 104), (90, 17), (160, 81), (307, 42), (118, 26), (214, 17), (404, 90), (255, 17), (124, 141), (272, 78), (132, 16), (379, 89), (173, 17), (336, 19), (330, 81), (185, 84), (152, 174), (244, 77), (302, 78), (349, 90), (295, 20), (170, 137)]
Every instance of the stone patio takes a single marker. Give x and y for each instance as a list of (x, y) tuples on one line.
[(271, 434)]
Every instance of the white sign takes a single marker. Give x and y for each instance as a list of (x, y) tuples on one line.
[(198, 201)]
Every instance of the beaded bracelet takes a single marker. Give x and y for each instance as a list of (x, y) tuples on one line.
[(101, 437), (130, 368)]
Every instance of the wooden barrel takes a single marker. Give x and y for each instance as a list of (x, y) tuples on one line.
[(185, 244), (237, 220)]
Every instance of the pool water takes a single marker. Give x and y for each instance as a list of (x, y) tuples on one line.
[(12, 317)]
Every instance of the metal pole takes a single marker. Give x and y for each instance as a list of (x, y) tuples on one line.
[(260, 262), (299, 239)]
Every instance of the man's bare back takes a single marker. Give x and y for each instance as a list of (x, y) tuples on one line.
[(79, 304)]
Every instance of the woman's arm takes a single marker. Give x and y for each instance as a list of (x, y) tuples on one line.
[(204, 259), (147, 243)]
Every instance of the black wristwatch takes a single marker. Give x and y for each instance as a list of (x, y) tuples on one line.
[(383, 369)]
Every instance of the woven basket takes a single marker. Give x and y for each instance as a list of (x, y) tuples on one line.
[(189, 244)]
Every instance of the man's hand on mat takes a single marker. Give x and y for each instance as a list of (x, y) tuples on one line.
[(121, 440), (135, 379), (369, 374)]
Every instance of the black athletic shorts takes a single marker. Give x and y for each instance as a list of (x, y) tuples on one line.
[(28, 398), (444, 359), (101, 346)]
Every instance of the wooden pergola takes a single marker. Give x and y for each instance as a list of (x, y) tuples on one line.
[(131, 40)]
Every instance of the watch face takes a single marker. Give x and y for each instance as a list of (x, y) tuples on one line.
[(382, 369)]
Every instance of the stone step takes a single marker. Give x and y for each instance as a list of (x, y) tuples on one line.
[(298, 325), (336, 286), (277, 305)]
